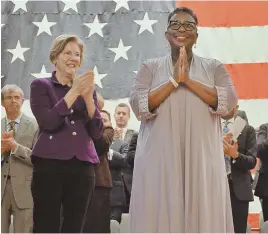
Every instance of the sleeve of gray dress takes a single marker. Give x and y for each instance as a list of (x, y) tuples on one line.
[(140, 90), (227, 97)]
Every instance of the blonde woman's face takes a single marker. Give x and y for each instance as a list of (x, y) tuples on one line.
[(68, 61)]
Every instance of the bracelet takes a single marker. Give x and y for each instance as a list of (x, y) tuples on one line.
[(175, 84)]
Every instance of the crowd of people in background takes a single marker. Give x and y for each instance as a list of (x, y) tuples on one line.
[(70, 170), (116, 150)]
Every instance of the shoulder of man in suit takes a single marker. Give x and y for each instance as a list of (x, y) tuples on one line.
[(24, 118), (135, 134), (264, 126), (242, 114), (130, 130), (29, 119), (119, 142), (246, 130)]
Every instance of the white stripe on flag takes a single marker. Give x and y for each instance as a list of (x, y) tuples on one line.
[(233, 45)]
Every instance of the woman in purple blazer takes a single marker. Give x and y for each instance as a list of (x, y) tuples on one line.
[(65, 107)]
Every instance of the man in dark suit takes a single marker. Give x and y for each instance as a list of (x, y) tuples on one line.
[(242, 114), (122, 116), (243, 158), (261, 190), (118, 151), (130, 160), (132, 150)]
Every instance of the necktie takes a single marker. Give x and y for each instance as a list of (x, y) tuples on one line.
[(7, 153), (226, 158), (12, 127), (225, 127)]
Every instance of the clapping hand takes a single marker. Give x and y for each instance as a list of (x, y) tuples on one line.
[(181, 68), (230, 149), (228, 138), (4, 146), (87, 87), (8, 142), (84, 85), (118, 133)]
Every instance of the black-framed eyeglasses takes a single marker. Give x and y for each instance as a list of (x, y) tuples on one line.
[(188, 26)]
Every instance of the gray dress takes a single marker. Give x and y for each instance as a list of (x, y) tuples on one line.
[(179, 180)]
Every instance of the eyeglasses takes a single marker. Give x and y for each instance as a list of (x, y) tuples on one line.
[(188, 26)]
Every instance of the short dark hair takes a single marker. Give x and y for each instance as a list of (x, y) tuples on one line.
[(107, 113), (123, 105), (185, 10)]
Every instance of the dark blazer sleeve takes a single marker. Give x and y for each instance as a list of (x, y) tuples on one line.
[(243, 115), (95, 125), (262, 140), (132, 150), (248, 160), (49, 117), (102, 145), (119, 158)]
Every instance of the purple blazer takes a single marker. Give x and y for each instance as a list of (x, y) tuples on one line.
[(64, 133)]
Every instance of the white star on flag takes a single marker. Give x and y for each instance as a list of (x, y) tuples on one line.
[(98, 77), (44, 26), (20, 4), (121, 3), (95, 27), (70, 4), (145, 24), (120, 51), (43, 73), (18, 52)]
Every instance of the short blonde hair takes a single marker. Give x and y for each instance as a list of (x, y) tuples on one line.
[(59, 44)]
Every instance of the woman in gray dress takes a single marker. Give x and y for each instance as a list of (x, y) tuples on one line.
[(179, 180)]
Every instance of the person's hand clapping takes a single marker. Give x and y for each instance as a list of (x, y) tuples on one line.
[(87, 87), (118, 132), (8, 142), (183, 74), (84, 85), (228, 137), (181, 68), (230, 149)]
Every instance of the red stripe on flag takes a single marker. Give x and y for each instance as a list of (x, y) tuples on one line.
[(228, 13), (250, 80)]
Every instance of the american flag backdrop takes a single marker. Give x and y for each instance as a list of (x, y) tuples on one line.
[(120, 34)]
